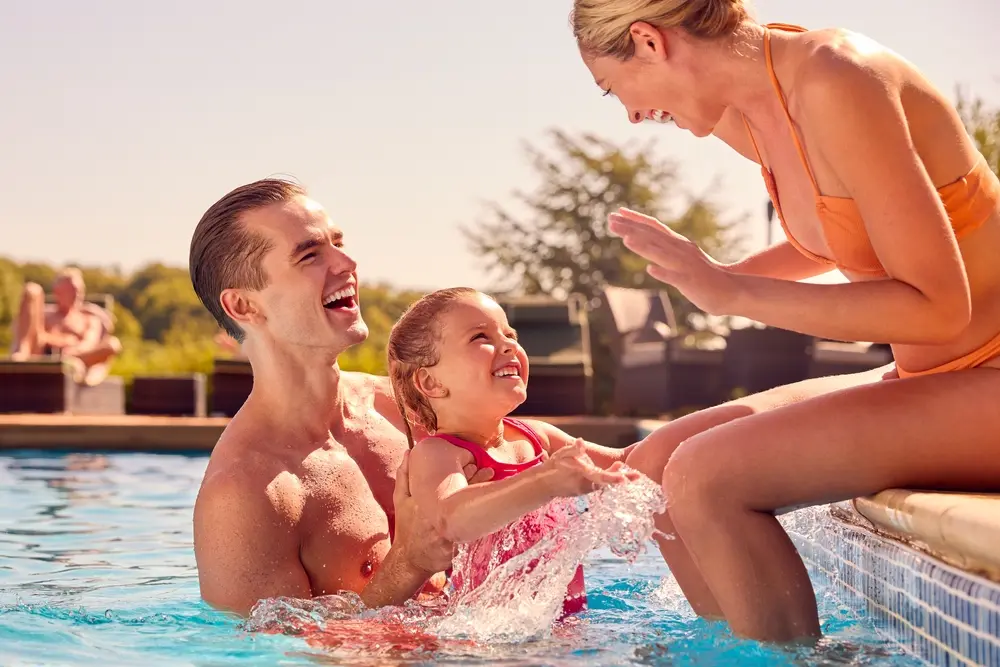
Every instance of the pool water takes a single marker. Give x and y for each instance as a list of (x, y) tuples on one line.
[(96, 568)]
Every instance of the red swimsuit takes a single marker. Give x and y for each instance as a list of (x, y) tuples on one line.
[(488, 552)]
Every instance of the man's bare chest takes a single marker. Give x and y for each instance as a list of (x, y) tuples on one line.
[(348, 519)]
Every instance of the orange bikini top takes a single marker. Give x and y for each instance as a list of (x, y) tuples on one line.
[(968, 201)]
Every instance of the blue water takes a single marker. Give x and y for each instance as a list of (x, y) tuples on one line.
[(96, 568)]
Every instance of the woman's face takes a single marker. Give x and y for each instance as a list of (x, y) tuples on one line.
[(660, 81)]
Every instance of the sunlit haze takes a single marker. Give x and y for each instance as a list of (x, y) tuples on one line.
[(120, 122)]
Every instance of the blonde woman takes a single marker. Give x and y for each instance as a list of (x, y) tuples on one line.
[(871, 172)]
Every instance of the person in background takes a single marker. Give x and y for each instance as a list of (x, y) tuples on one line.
[(71, 329)]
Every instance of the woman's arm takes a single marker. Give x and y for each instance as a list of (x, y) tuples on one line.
[(464, 513), (781, 261), (865, 138)]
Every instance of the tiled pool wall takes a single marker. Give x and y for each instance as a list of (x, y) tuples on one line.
[(938, 612)]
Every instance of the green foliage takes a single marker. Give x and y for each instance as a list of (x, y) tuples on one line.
[(558, 243), (983, 125), (11, 283), (147, 357), (381, 306)]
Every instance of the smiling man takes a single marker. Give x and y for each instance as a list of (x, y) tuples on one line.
[(306, 491)]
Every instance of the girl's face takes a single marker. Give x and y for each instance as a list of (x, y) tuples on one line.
[(483, 371)]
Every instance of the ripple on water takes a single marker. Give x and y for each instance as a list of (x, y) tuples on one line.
[(96, 568)]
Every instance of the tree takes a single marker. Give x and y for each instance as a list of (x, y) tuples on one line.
[(381, 306), (983, 125), (559, 244), (11, 284)]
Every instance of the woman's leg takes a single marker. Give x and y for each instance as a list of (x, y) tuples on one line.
[(724, 485), (651, 456)]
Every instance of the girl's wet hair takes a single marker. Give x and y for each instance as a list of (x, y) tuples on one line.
[(413, 344)]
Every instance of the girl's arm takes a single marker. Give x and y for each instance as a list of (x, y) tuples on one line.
[(554, 439), (463, 513)]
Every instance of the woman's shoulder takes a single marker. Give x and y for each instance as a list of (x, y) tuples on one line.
[(844, 79), (832, 62)]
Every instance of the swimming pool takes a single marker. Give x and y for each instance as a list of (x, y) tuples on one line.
[(96, 568)]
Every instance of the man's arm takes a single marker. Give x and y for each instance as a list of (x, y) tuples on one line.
[(417, 551), (246, 549)]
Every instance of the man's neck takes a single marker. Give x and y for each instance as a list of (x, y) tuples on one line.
[(303, 391)]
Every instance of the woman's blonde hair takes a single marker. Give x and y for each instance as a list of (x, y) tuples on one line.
[(601, 27)]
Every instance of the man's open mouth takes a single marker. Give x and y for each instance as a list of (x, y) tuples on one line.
[(345, 297)]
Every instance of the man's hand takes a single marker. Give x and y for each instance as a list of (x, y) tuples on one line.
[(416, 538), (418, 552), (422, 546)]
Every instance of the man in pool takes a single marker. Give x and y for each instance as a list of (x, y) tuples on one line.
[(306, 491)]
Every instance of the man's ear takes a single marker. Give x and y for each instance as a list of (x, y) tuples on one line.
[(427, 385), (238, 305)]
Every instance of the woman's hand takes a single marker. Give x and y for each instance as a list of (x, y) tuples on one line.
[(677, 261)]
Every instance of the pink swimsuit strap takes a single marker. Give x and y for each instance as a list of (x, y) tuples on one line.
[(483, 458)]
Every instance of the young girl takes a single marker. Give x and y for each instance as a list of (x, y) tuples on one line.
[(457, 371)]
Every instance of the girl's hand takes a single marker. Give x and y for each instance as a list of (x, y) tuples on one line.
[(575, 474), (677, 261)]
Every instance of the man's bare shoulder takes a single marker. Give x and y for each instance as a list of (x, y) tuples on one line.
[(377, 390), (366, 383), (243, 477)]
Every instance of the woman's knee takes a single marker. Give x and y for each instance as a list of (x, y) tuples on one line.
[(651, 455), (695, 481)]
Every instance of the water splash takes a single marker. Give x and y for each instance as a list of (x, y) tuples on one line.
[(521, 598), (518, 600)]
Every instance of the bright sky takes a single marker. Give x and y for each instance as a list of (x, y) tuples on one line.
[(121, 121)]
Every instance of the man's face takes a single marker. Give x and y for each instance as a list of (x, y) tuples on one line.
[(311, 300), (68, 293)]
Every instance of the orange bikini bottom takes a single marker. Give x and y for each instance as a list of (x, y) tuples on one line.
[(973, 359)]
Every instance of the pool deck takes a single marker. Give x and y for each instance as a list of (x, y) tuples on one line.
[(199, 434), (961, 529), (99, 432)]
